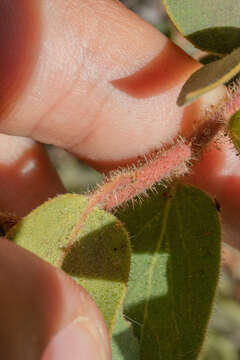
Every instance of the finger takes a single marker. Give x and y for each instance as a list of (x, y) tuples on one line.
[(44, 313), (27, 177), (94, 79)]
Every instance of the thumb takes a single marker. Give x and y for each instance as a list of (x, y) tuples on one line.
[(44, 314), (92, 77)]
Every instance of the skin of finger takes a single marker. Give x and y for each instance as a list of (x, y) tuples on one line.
[(102, 74), (27, 177), (36, 302)]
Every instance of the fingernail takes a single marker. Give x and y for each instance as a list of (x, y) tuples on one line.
[(79, 340)]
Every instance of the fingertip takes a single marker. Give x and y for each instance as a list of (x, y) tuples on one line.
[(104, 89), (79, 340), (27, 177), (40, 302)]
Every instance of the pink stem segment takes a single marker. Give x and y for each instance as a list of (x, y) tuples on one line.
[(130, 183), (124, 185)]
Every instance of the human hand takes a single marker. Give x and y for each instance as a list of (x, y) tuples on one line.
[(93, 78)]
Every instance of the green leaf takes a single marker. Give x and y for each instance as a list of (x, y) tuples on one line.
[(207, 59), (209, 77), (211, 25), (99, 258), (124, 342), (234, 130), (174, 273)]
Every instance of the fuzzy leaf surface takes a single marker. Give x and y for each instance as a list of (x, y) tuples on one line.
[(174, 273), (209, 77), (99, 258), (211, 25), (124, 343)]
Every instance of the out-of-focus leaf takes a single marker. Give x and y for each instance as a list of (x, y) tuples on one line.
[(175, 268), (211, 25), (234, 130), (124, 343), (207, 59), (209, 77), (99, 258), (218, 348)]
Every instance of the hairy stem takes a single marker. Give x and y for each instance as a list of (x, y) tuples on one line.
[(123, 185)]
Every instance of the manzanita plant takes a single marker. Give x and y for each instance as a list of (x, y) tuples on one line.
[(153, 266)]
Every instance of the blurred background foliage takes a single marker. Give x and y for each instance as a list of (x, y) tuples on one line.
[(223, 338)]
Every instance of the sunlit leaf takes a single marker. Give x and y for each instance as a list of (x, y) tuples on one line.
[(124, 343), (209, 77), (211, 25), (99, 258), (175, 268)]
